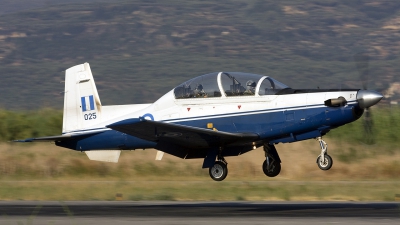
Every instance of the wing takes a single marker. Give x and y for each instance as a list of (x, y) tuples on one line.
[(185, 136)]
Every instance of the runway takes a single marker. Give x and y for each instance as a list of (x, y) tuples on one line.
[(119, 213)]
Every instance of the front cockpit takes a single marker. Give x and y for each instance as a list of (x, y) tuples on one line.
[(228, 84)]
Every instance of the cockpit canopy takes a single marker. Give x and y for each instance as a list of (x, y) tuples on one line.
[(230, 84)]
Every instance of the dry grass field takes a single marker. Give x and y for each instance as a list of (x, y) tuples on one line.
[(45, 172)]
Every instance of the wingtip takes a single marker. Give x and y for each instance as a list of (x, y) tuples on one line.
[(23, 141)]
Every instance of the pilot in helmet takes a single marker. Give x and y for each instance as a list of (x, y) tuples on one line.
[(199, 91), (250, 88)]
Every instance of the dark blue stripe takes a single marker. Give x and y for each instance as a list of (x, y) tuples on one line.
[(83, 104), (226, 115), (91, 102), (272, 127), (306, 107)]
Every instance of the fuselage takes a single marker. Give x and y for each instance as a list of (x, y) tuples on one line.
[(210, 117), (282, 115)]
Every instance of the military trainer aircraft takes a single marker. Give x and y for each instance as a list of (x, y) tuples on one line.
[(211, 116)]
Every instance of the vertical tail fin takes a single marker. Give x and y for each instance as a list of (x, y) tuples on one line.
[(82, 106)]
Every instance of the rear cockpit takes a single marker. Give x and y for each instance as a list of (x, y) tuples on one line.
[(230, 84)]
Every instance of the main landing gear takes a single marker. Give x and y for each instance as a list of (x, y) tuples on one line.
[(272, 163), (219, 171), (324, 161)]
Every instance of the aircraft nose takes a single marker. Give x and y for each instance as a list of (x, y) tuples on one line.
[(367, 98)]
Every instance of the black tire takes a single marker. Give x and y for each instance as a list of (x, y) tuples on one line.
[(327, 164), (219, 171), (274, 170)]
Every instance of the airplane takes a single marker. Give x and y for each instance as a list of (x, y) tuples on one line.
[(210, 117)]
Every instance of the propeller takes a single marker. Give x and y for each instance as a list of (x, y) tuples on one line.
[(362, 61)]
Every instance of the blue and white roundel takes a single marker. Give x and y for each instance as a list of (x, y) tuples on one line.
[(148, 116)]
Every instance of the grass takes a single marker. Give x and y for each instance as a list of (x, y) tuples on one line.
[(362, 172), (19, 125), (386, 121), (22, 161), (199, 190), (45, 172)]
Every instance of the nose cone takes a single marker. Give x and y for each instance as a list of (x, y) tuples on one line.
[(368, 98)]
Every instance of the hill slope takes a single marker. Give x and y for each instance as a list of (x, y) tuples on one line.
[(138, 50)]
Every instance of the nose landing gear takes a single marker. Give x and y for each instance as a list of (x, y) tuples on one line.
[(324, 161)]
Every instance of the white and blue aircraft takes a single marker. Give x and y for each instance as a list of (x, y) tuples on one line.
[(210, 117)]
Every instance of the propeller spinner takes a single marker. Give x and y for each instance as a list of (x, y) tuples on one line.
[(367, 98)]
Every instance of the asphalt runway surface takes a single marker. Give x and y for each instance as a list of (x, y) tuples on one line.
[(121, 212)]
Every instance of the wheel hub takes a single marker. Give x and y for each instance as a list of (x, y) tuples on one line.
[(217, 171), (323, 163)]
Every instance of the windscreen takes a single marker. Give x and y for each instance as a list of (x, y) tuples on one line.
[(270, 86), (205, 86)]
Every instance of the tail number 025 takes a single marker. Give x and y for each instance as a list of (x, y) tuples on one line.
[(90, 116)]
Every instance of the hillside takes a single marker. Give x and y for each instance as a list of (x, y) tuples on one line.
[(138, 50), (13, 6)]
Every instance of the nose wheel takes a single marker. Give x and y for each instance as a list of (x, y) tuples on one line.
[(324, 161), (219, 171)]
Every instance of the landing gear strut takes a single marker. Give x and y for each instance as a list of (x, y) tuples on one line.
[(324, 161), (272, 163), (219, 170)]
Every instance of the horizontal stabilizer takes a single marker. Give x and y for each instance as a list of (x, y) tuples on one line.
[(58, 137), (159, 155), (104, 155), (182, 135)]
